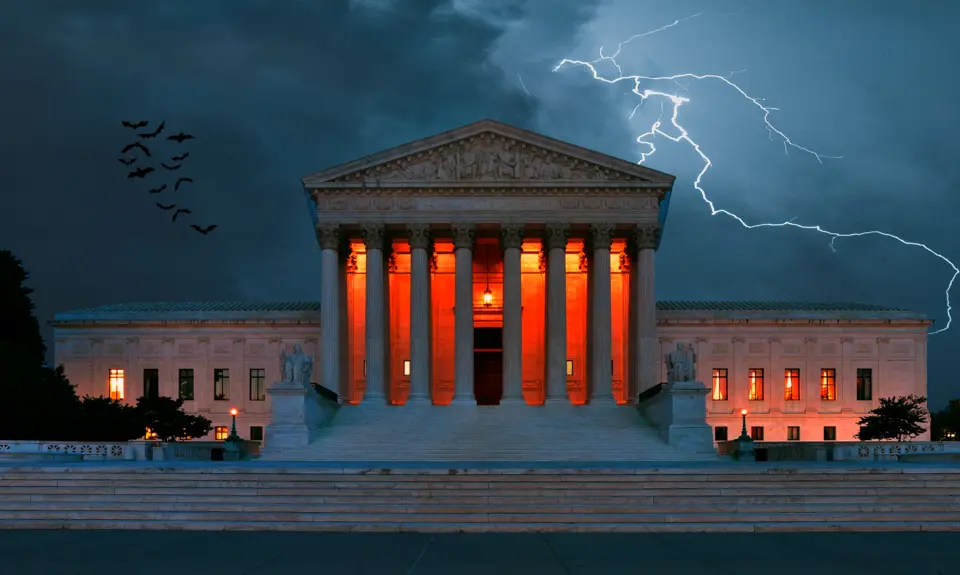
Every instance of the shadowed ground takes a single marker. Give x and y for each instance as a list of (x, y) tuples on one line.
[(266, 553)]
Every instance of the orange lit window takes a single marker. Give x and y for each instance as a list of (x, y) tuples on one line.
[(406, 368), (116, 384), (755, 393), (828, 384), (220, 432), (720, 384), (150, 434), (791, 384)]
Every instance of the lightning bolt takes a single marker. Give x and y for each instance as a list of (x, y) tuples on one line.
[(681, 135)]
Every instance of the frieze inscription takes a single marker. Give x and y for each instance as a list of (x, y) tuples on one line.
[(367, 203)]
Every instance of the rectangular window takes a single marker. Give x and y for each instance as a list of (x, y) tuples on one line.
[(720, 433), (793, 433), (406, 368), (791, 384), (864, 384), (828, 384), (220, 432), (756, 385), (256, 433), (720, 384), (115, 384), (221, 384), (569, 367), (258, 378), (185, 386), (756, 433), (151, 383), (829, 433)]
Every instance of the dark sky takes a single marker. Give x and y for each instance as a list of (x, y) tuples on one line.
[(275, 89)]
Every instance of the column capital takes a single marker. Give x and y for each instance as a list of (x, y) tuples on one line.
[(329, 236), (511, 236), (556, 235), (601, 236), (646, 236), (463, 235), (419, 236), (373, 235)]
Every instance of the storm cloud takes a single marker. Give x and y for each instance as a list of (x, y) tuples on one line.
[(277, 89)]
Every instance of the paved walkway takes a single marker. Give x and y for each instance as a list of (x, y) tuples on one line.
[(231, 553)]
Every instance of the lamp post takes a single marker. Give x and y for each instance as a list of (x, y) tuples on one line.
[(744, 442), (231, 447)]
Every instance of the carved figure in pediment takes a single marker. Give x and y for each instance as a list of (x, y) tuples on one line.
[(558, 171), (532, 166), (468, 163), (424, 169), (447, 167)]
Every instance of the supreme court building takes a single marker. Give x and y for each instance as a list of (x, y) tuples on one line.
[(489, 265)]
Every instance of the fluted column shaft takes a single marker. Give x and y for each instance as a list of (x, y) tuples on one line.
[(419, 312), (330, 302), (601, 342), (511, 239), (375, 326), (463, 238), (646, 239), (556, 244)]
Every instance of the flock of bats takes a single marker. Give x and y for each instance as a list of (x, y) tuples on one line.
[(142, 171)]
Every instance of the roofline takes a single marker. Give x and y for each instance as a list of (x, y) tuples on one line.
[(322, 178)]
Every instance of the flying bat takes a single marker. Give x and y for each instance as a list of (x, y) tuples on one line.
[(180, 211), (158, 190), (154, 133), (135, 125), (179, 138), (171, 168), (140, 172), (181, 157), (205, 230), (127, 161), (163, 207), (142, 148), (181, 181)]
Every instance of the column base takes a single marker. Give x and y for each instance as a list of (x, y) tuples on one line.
[(557, 401), (419, 399), (513, 401), (464, 401)]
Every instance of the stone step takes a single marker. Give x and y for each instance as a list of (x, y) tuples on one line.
[(480, 517), (517, 508), (413, 527)]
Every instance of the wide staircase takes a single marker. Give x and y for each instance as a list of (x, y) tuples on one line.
[(487, 433), (695, 497)]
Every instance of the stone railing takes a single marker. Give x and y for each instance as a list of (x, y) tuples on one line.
[(196, 450), (840, 450)]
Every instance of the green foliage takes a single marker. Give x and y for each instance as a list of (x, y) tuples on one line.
[(896, 418), (165, 417)]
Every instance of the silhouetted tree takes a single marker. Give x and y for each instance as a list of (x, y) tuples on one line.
[(945, 424), (20, 337), (896, 418), (105, 419), (165, 417)]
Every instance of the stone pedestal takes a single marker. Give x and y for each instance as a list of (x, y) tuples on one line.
[(297, 412), (680, 414)]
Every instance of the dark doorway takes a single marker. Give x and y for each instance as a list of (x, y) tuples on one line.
[(488, 365)]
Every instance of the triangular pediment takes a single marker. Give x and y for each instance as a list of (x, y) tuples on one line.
[(485, 151)]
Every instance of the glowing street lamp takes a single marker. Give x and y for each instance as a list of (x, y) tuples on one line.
[(743, 430), (231, 447)]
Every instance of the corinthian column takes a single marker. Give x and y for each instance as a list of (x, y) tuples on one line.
[(419, 312), (601, 346), (511, 239), (376, 337), (463, 237), (556, 243), (330, 302), (644, 314)]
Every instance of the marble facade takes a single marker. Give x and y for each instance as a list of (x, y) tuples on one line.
[(431, 248)]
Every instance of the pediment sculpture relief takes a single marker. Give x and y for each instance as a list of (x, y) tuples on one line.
[(486, 157)]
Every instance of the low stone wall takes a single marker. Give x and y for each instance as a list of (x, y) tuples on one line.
[(117, 451), (842, 450)]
